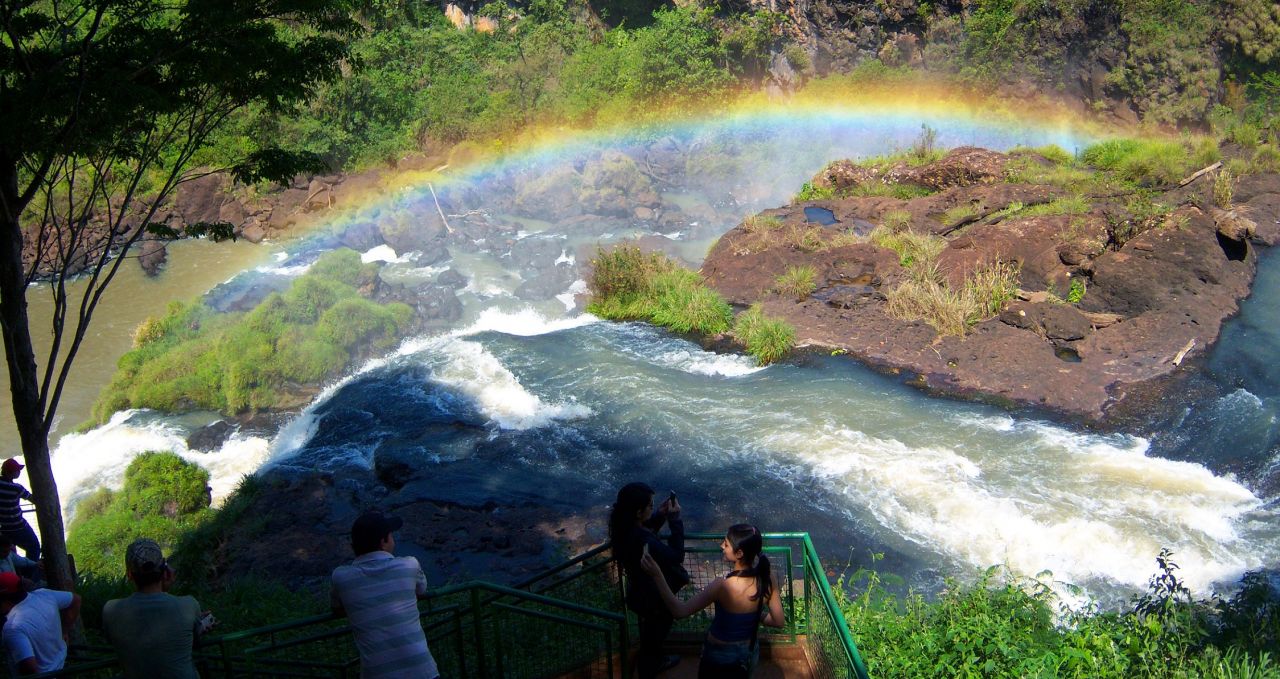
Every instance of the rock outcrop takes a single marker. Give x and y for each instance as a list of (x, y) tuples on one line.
[(1149, 305)]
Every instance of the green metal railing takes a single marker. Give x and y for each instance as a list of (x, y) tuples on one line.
[(569, 621)]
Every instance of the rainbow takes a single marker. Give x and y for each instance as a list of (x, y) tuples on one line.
[(791, 137)]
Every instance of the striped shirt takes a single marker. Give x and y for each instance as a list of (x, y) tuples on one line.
[(10, 512), (380, 594)]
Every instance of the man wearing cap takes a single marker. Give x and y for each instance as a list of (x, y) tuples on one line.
[(37, 624), (152, 631), (379, 595), (12, 525)]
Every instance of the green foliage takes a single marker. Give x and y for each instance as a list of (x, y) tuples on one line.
[(959, 213), (628, 284), (685, 304), (1066, 205), (1005, 626), (1224, 189), (1078, 289), (810, 192), (1169, 68), (797, 282), (896, 221), (193, 358), (1266, 159), (1145, 162), (925, 295), (912, 248), (767, 339), (163, 495)]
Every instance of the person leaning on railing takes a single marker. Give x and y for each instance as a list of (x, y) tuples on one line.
[(379, 592), (633, 528), (745, 598), (37, 624), (12, 524)]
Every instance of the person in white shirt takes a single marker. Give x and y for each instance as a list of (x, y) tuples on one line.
[(37, 625)]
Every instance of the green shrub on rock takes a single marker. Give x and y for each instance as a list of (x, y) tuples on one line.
[(163, 496), (767, 339), (192, 358)]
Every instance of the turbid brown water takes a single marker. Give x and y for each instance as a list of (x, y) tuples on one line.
[(194, 267)]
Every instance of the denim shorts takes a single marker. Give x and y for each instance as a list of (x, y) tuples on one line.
[(736, 660)]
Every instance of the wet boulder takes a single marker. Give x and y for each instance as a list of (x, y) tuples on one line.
[(614, 185)]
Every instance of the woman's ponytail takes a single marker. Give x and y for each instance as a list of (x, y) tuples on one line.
[(747, 538)]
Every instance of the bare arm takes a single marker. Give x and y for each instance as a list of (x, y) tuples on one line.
[(678, 608), (69, 616), (773, 616)]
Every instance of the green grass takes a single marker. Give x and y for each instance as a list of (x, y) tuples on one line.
[(896, 221), (959, 213), (1003, 627), (1051, 152), (810, 192), (192, 358), (628, 284), (767, 339), (910, 247), (1144, 162), (926, 296), (797, 282), (1266, 159), (1068, 205), (756, 224), (163, 496), (1078, 289)]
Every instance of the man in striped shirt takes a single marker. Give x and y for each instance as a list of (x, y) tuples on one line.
[(12, 525), (379, 595)]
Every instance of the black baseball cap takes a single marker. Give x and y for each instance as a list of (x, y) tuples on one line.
[(372, 526)]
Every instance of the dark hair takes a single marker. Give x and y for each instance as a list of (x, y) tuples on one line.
[(363, 544), (746, 537), (632, 498), (149, 576)]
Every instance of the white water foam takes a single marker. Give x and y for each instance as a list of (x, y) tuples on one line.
[(471, 369), (1102, 517), (98, 458), (699, 362), (381, 253)]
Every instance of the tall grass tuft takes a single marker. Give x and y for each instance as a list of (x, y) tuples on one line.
[(627, 284), (797, 282), (926, 296), (910, 246), (684, 304), (767, 339), (1146, 162), (1266, 159), (1224, 189)]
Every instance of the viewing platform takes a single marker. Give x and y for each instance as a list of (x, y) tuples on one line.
[(568, 622)]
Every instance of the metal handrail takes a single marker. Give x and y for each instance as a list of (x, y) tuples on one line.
[(486, 599)]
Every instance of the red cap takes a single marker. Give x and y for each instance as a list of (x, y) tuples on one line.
[(12, 466), (10, 583)]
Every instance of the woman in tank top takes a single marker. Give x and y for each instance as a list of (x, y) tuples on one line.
[(744, 598)]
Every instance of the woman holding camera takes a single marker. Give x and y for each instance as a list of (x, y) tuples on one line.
[(633, 530)]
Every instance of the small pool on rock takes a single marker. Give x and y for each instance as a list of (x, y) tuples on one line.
[(820, 215)]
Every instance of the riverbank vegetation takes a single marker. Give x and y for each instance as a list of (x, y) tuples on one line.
[(628, 284), (418, 83), (1003, 625), (194, 358)]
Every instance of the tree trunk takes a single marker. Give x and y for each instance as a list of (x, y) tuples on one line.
[(24, 382)]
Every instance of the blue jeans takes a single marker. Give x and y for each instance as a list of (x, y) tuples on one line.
[(736, 660), (25, 538)]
